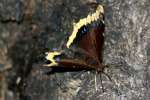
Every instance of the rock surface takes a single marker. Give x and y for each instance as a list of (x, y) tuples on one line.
[(29, 28)]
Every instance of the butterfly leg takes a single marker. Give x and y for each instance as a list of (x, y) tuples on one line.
[(101, 82)]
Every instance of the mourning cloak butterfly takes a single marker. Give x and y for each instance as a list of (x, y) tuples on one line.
[(88, 35)]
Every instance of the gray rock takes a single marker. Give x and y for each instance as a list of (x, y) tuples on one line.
[(31, 28)]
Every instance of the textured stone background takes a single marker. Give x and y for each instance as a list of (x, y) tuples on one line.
[(29, 28)]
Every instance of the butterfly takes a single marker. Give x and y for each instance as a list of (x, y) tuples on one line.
[(87, 36)]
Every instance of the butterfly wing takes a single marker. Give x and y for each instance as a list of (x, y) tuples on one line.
[(98, 40), (92, 43)]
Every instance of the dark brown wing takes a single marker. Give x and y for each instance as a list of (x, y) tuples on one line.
[(75, 64), (92, 43), (71, 65), (78, 64), (99, 40)]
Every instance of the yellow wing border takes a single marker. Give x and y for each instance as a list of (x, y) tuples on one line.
[(84, 21), (76, 26)]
